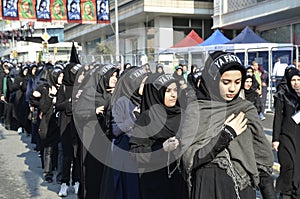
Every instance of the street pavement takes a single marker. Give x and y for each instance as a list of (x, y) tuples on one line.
[(21, 174)]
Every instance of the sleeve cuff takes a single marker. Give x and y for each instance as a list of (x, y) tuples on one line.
[(230, 131)]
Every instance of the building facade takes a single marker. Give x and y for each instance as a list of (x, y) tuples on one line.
[(145, 27), (277, 21)]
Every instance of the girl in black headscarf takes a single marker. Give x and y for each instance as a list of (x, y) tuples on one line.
[(225, 152), (21, 107), (125, 108), (286, 136), (153, 139), (251, 94), (68, 132), (106, 77), (190, 75), (48, 129), (160, 68)]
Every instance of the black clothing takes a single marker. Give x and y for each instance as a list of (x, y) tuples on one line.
[(215, 159), (252, 96), (156, 183), (21, 107), (286, 132)]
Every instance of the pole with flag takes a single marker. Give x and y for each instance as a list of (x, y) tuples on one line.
[(74, 56)]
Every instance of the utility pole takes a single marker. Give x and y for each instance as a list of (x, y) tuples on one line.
[(117, 31)]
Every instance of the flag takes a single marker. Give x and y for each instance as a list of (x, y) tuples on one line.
[(74, 56), (74, 11), (88, 8), (103, 15), (27, 10), (10, 9), (0, 10), (58, 11), (43, 10)]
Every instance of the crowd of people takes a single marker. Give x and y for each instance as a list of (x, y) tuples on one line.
[(130, 133)]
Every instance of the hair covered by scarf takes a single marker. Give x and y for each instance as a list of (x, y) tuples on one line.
[(156, 122), (205, 118), (216, 64)]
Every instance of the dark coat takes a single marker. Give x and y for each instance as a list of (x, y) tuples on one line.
[(48, 129), (286, 131), (21, 107)]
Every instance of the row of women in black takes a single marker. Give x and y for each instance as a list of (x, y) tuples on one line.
[(219, 137)]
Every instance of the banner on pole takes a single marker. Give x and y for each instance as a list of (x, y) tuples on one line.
[(71, 11)]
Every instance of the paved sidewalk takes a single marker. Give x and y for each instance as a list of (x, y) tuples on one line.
[(21, 174)]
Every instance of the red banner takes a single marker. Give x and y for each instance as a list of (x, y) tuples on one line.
[(73, 11), (88, 8), (58, 11), (0, 9), (103, 11), (10, 9), (27, 10), (43, 10)]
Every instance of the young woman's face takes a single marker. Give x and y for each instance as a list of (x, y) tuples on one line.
[(33, 70), (159, 70), (230, 84), (179, 72), (60, 78), (57, 8), (113, 80), (25, 7), (171, 95), (25, 71), (250, 71), (88, 9), (295, 83), (248, 83)]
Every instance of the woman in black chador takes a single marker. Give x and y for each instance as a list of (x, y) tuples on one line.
[(125, 108), (153, 139), (225, 152), (21, 107), (286, 137), (251, 94), (69, 136)]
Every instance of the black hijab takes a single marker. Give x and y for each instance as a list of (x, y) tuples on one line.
[(53, 77), (70, 72), (216, 64), (158, 66), (106, 72), (161, 121), (128, 85), (292, 95), (252, 88)]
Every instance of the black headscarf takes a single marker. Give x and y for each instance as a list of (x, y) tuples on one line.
[(158, 66), (289, 77), (164, 120), (175, 74), (218, 63), (252, 88), (106, 72), (53, 77), (24, 67), (70, 71), (128, 85)]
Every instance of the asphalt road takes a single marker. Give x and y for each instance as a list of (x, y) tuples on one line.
[(21, 174)]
